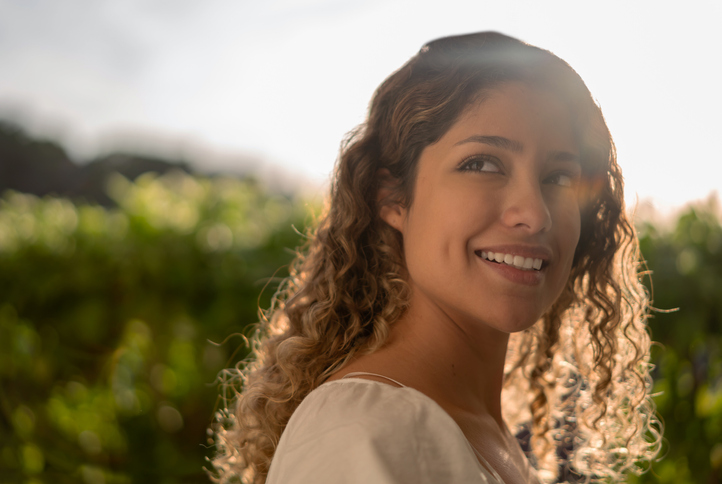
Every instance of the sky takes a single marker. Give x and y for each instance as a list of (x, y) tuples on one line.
[(274, 85)]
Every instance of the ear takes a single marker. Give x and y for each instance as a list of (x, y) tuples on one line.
[(391, 211)]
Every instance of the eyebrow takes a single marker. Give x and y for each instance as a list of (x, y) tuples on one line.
[(515, 146), (565, 156), (498, 141)]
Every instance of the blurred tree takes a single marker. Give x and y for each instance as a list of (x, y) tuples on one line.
[(686, 273), (107, 318), (28, 165), (42, 167)]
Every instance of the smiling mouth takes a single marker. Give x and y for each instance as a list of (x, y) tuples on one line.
[(516, 261)]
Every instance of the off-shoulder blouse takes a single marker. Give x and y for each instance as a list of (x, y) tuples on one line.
[(354, 430)]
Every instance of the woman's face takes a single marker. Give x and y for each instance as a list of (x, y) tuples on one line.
[(491, 233)]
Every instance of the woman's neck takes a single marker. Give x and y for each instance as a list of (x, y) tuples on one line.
[(460, 366), (463, 364)]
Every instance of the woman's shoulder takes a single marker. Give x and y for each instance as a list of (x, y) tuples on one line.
[(358, 430), (365, 404)]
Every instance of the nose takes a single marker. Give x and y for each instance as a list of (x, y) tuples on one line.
[(526, 209)]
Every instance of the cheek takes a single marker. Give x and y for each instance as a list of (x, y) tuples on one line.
[(437, 232), (569, 221)]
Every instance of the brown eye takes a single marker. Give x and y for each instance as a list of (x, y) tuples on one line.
[(481, 164), (562, 178)]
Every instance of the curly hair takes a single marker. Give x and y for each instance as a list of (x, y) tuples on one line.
[(581, 373)]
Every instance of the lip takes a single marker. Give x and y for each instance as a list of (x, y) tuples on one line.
[(511, 273)]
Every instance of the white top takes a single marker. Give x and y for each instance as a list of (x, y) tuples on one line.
[(354, 431)]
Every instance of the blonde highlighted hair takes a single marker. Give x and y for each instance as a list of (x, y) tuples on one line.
[(581, 373)]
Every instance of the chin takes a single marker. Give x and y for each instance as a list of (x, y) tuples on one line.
[(518, 323)]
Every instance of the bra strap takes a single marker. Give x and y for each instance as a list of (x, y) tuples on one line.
[(362, 373), (486, 465)]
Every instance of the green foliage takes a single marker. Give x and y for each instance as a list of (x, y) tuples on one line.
[(686, 267), (108, 318)]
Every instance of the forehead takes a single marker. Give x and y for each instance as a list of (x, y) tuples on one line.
[(506, 105), (530, 117)]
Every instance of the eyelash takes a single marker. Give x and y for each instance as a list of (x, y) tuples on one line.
[(572, 178), (481, 161)]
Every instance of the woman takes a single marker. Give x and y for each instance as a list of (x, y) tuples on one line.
[(475, 272)]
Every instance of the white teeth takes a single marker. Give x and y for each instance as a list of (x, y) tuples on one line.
[(518, 261)]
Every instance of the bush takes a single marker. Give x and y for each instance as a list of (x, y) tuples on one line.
[(111, 319), (686, 268)]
